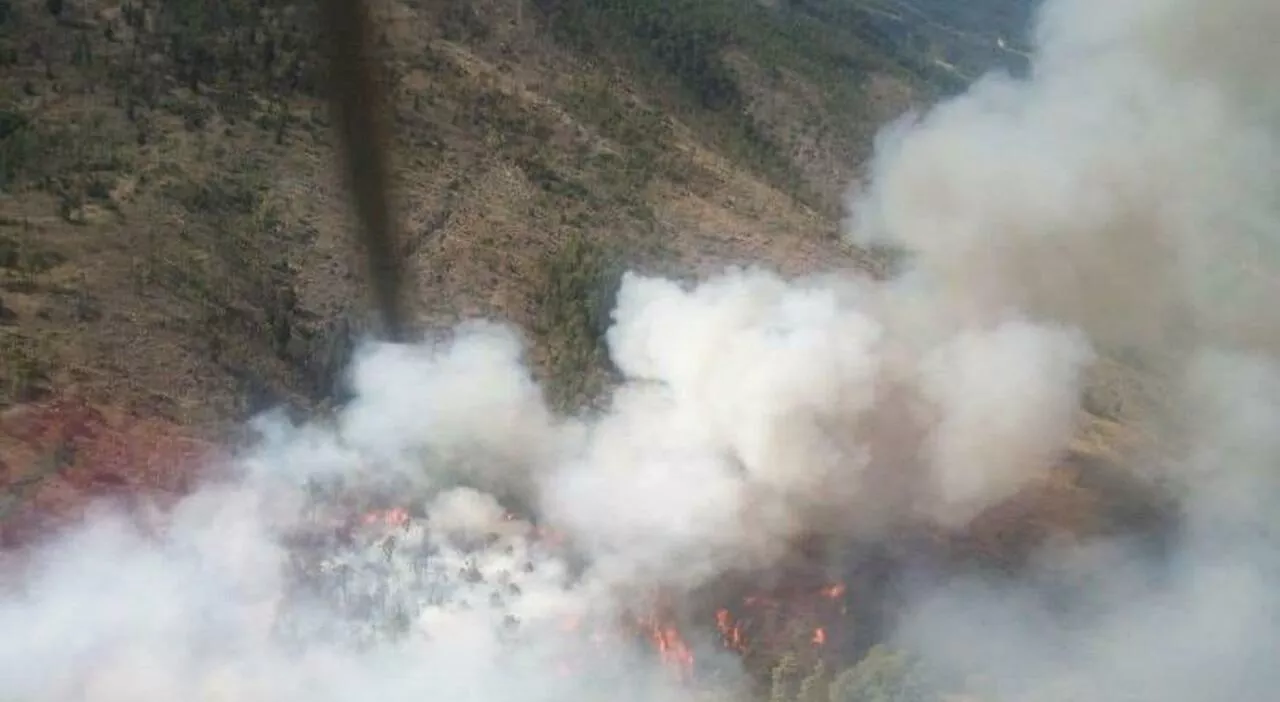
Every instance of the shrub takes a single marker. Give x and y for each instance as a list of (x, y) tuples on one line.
[(683, 37), (17, 147), (580, 286), (882, 676)]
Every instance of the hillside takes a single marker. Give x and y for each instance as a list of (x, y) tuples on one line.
[(176, 240), (177, 250)]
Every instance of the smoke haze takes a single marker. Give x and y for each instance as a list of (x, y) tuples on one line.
[(1122, 201)]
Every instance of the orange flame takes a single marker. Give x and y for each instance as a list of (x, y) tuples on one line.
[(396, 516), (672, 648), (730, 631), (833, 592)]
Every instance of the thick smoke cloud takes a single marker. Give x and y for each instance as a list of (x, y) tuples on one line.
[(1121, 201), (1127, 190)]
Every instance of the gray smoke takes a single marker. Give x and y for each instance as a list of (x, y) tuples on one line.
[(1128, 190)]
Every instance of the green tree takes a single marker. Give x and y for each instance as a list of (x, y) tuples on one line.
[(883, 676)]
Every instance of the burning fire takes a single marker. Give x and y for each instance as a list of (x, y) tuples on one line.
[(730, 631), (757, 622), (759, 615), (394, 517), (670, 644), (733, 629)]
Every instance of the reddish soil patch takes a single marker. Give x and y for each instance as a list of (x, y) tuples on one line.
[(60, 455)]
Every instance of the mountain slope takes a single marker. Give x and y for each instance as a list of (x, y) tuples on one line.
[(177, 241)]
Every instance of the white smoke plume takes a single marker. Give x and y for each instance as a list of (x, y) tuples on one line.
[(1129, 190), (1123, 199)]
